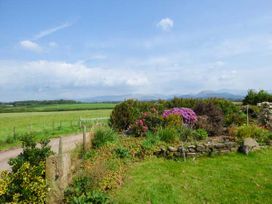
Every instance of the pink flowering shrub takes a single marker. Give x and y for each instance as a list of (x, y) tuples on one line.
[(148, 121), (188, 115), (139, 128)]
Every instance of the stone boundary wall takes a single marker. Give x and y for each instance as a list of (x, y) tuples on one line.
[(61, 167), (197, 150)]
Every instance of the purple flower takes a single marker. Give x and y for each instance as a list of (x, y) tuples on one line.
[(188, 115)]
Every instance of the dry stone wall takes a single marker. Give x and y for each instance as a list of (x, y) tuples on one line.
[(197, 150)]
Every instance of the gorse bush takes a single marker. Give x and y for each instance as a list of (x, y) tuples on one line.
[(104, 135)]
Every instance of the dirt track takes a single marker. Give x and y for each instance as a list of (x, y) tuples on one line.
[(69, 142)]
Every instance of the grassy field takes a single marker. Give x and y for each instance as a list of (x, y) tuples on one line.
[(233, 178), (56, 107), (42, 124)]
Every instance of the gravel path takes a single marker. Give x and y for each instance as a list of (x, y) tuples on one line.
[(69, 143)]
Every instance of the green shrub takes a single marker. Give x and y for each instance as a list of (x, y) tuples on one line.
[(201, 134), (168, 134), (26, 182), (238, 118), (124, 114), (26, 185), (148, 121), (253, 131), (173, 120), (186, 134), (31, 153), (122, 152), (104, 135), (81, 191)]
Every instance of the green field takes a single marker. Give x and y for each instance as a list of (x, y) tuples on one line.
[(55, 107), (233, 178), (42, 124)]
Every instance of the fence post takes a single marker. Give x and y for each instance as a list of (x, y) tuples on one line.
[(84, 139), (14, 132), (30, 128), (60, 146)]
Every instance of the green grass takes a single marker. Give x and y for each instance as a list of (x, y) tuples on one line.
[(42, 124), (56, 107), (233, 178)]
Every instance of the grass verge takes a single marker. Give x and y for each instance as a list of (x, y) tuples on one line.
[(232, 178)]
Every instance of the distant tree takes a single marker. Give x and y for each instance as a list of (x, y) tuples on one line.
[(254, 97)]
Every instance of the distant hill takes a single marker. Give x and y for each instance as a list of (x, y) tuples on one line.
[(142, 97)]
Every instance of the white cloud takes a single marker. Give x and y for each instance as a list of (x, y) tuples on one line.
[(30, 45), (166, 24), (52, 30), (59, 75)]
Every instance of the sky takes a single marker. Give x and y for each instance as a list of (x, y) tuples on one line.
[(79, 49)]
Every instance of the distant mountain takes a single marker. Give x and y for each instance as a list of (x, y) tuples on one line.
[(215, 94), (142, 97)]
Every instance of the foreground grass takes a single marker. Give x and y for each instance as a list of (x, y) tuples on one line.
[(42, 124), (233, 178)]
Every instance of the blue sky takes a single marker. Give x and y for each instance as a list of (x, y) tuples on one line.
[(78, 49)]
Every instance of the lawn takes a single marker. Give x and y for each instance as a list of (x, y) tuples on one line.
[(43, 124), (233, 178)]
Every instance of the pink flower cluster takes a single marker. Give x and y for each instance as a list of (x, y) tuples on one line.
[(188, 115)]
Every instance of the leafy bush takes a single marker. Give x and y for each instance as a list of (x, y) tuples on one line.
[(253, 131), (173, 120), (122, 152), (186, 134), (201, 134), (215, 119), (168, 134), (104, 135), (238, 118), (139, 128), (26, 183), (31, 153), (124, 114), (80, 192), (148, 121)]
